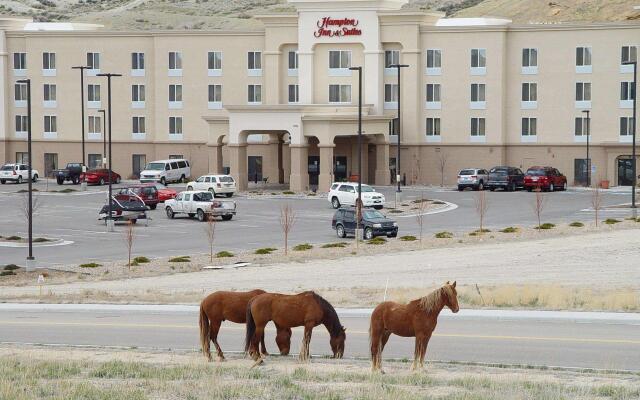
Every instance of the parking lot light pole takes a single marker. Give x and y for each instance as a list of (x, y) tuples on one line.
[(30, 258), (82, 68), (398, 68), (633, 149), (359, 201), (588, 137), (109, 76), (104, 137)]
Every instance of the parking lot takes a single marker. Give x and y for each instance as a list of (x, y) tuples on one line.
[(73, 218)]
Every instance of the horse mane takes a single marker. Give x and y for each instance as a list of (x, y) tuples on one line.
[(429, 302), (330, 320)]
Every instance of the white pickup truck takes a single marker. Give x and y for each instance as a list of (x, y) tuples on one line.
[(200, 204), (17, 173)]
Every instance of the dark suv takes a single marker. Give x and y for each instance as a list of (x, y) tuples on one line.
[(507, 178), (373, 222)]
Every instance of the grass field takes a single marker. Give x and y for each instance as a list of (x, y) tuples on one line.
[(103, 375)]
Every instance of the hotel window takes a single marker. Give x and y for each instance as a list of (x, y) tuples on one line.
[(627, 91), (20, 94), (293, 94), (529, 61), (95, 160), (22, 125), (215, 96), (95, 125), (629, 54), (50, 124), (137, 64), (581, 128), (478, 98), (19, 61), (529, 126), (49, 64), (93, 96), (626, 126), (175, 125), (583, 94), (433, 126), (175, 63), (22, 157), (293, 60), (434, 62), (477, 127), (138, 126), (583, 60), (394, 127), (391, 57), (339, 62), (390, 95), (93, 62), (339, 93), (175, 93), (137, 96), (49, 95), (529, 95), (254, 94), (214, 63), (478, 61), (254, 63), (433, 96)]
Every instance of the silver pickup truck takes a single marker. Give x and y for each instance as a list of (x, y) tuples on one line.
[(201, 204)]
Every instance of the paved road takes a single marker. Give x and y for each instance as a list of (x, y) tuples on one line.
[(551, 339), (72, 217)]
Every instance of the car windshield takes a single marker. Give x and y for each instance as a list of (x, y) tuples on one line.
[(155, 166), (366, 189), (499, 171), (536, 172), (225, 179), (467, 172), (372, 214), (203, 196), (159, 186), (7, 167)]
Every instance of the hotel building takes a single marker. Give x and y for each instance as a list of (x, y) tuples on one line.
[(281, 103)]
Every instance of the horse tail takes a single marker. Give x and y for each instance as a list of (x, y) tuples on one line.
[(251, 328), (205, 331)]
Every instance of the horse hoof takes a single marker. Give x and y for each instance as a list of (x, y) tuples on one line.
[(221, 359), (258, 362)]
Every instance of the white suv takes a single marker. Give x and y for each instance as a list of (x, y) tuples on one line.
[(165, 171), (346, 193), (17, 173), (475, 178), (216, 184)]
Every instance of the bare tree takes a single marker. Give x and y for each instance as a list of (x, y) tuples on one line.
[(442, 163), (210, 230), (36, 203), (129, 236), (482, 205), (596, 202), (358, 221), (287, 220), (420, 211), (539, 203)]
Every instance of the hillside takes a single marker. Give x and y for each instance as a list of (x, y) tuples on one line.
[(227, 14)]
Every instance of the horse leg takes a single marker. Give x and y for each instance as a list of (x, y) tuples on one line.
[(376, 337), (424, 350), (306, 340), (263, 347), (215, 328), (417, 352), (254, 350), (385, 338)]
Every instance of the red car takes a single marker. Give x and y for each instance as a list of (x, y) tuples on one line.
[(99, 176), (146, 191), (545, 178), (164, 193)]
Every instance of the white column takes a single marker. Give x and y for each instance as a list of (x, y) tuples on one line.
[(373, 89), (4, 95), (305, 77)]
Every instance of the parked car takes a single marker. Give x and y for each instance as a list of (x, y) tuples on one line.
[(507, 178), (545, 178), (17, 173), (474, 178), (164, 193), (164, 171), (216, 184), (71, 173), (346, 193), (99, 176), (147, 192), (373, 222), (201, 204)]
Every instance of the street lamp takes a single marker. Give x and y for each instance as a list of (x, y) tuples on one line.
[(109, 76), (398, 67), (30, 258), (82, 68), (633, 149), (359, 201), (104, 138), (588, 134)]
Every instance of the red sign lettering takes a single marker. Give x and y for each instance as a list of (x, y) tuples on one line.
[(329, 27)]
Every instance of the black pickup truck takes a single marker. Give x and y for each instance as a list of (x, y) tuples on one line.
[(71, 173)]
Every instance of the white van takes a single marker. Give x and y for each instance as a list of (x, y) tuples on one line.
[(165, 171)]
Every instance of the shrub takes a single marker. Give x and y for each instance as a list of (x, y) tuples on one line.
[(479, 232), (408, 238), (509, 229), (418, 201), (223, 254), (444, 235), (332, 245), (67, 190), (180, 259), (6, 273), (13, 237), (265, 250), (90, 265), (377, 240), (438, 202), (303, 247), (288, 192), (576, 224), (41, 240), (611, 221), (141, 260), (546, 225), (11, 267), (395, 211)]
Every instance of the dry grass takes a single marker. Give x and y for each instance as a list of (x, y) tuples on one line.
[(57, 374)]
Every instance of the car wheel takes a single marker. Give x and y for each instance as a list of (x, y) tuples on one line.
[(481, 185), (60, 181), (153, 206), (3, 182), (227, 217), (378, 207), (335, 203), (118, 180), (340, 231), (170, 213), (191, 215), (189, 187), (183, 179), (75, 181), (229, 194), (213, 192), (200, 215), (368, 234), (551, 187), (564, 186), (492, 189), (19, 179), (393, 235), (133, 221), (163, 180), (34, 178), (101, 182), (460, 188), (529, 189)]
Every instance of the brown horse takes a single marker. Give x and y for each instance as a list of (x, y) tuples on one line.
[(287, 311), (417, 319), (231, 306)]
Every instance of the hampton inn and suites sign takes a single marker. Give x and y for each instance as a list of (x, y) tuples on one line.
[(330, 27)]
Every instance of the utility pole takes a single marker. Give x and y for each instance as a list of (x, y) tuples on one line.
[(30, 258)]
